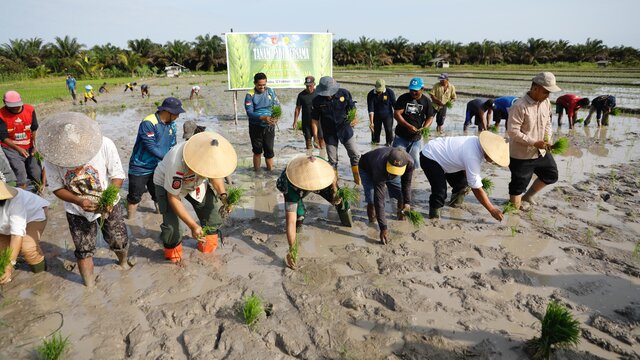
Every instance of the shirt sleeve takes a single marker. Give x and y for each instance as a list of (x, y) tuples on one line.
[(274, 97), (370, 98), (473, 166), (548, 129), (173, 179), (114, 165), (54, 177), (516, 118), (299, 100), (34, 121), (147, 134), (453, 92), (4, 132), (248, 106), (18, 220)]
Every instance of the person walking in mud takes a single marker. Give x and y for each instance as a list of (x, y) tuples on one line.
[(570, 103), (529, 131), (144, 90), (304, 103), (330, 111), (383, 169), (457, 160), (380, 102), (413, 112), (89, 94), (602, 106), (259, 103), (501, 108), (193, 170), (442, 95), (81, 164), (71, 86), (156, 136), (482, 110)]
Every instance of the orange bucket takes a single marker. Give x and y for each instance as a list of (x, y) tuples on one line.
[(209, 244)]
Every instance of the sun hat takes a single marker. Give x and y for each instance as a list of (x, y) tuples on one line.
[(309, 80), (6, 191), (191, 128), (12, 99), (496, 147), (172, 105), (416, 84), (443, 76), (328, 86), (380, 86), (69, 139), (547, 80), (310, 173), (397, 162), (88, 87), (210, 155)]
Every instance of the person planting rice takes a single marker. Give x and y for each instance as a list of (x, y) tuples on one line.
[(195, 92), (570, 103), (391, 168), (81, 164), (89, 95), (482, 110), (129, 86), (442, 95), (413, 111), (103, 89), (380, 102), (304, 103), (144, 90), (258, 104), (192, 170), (529, 131), (330, 109), (603, 106), (457, 161), (501, 108)]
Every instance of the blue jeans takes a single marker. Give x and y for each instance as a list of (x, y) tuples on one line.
[(412, 147), (394, 186)]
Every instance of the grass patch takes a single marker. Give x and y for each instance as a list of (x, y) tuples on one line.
[(276, 111), (509, 207), (487, 185), (559, 329), (415, 218), (348, 194), (234, 195), (351, 115), (426, 133), (5, 259), (560, 146), (54, 348), (251, 310)]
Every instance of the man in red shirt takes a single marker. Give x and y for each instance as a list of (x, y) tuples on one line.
[(17, 135), (570, 103)]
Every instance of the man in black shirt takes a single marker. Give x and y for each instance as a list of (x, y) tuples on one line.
[(380, 103), (304, 103)]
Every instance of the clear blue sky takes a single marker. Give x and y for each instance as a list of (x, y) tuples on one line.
[(116, 21)]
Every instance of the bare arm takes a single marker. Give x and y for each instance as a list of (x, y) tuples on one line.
[(484, 200), (401, 121), (86, 204), (296, 113)]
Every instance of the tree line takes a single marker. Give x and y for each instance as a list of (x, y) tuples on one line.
[(35, 58)]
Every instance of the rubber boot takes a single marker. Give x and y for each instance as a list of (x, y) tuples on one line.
[(356, 174), (39, 267), (434, 213), (371, 212), (457, 199), (131, 211), (85, 266), (174, 255)]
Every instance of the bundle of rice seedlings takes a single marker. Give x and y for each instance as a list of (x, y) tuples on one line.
[(580, 121), (559, 329), (560, 146), (487, 185), (349, 195), (508, 208), (449, 104), (276, 111), (415, 218), (426, 133), (234, 195), (616, 111), (5, 259), (636, 251), (299, 125), (493, 129), (351, 115), (38, 156), (252, 309), (54, 348), (293, 252), (108, 197)]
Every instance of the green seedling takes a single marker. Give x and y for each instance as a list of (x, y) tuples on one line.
[(54, 348), (123, 106), (299, 125), (636, 251), (415, 218), (616, 111), (234, 195), (560, 146), (5, 259), (590, 237), (514, 231), (349, 195), (449, 104), (38, 156), (509, 207), (276, 111), (251, 310), (351, 115), (426, 133), (157, 103), (559, 329), (209, 230), (493, 129), (580, 121), (108, 198), (293, 252), (487, 185)]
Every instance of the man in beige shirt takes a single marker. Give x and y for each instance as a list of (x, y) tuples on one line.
[(529, 130), (442, 93)]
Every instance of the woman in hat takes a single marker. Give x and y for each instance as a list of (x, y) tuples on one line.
[(89, 95), (457, 160), (23, 217), (81, 164), (193, 170)]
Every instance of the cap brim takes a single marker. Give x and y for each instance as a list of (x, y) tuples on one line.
[(415, 88), (553, 88), (396, 170), (174, 111), (327, 91), (14, 104)]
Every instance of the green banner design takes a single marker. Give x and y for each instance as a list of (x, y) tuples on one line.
[(286, 58)]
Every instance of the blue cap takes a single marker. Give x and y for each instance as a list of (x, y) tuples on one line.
[(416, 84), (171, 105)]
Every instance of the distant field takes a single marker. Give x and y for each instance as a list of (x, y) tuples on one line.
[(37, 91)]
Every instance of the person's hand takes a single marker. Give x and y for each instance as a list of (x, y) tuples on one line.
[(23, 152), (8, 271), (496, 213), (406, 208), (384, 236), (413, 129), (371, 126), (196, 232), (226, 208), (88, 205), (541, 144), (354, 122), (295, 125)]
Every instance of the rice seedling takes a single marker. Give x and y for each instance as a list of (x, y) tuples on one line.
[(293, 252), (123, 106), (209, 230), (299, 125), (493, 129), (251, 310), (38, 186), (616, 111), (54, 348), (559, 329), (38, 156), (514, 231), (156, 103), (580, 121), (276, 111), (426, 133), (351, 115), (348, 194), (415, 218), (487, 185), (590, 234), (636, 251), (234, 195), (5, 259), (108, 198), (509, 207), (449, 104), (560, 146)]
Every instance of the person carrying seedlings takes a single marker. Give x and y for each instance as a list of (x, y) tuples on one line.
[(457, 160), (330, 111), (570, 103), (413, 111), (195, 91), (258, 104), (144, 90), (23, 217), (89, 95), (391, 168), (71, 86), (192, 170), (156, 136), (602, 106), (443, 94), (501, 108), (304, 103), (129, 86), (84, 170), (380, 102), (529, 131), (302, 176), (482, 110), (103, 88), (18, 128)]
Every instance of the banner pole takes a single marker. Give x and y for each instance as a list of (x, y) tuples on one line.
[(235, 106)]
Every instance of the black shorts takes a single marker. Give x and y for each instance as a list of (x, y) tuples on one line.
[(308, 132), (262, 139), (544, 167)]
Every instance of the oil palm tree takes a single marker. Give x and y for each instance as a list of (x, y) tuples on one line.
[(209, 51)]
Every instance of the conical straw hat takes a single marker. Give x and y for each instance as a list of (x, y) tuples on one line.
[(210, 155), (310, 173), (6, 191), (69, 139), (496, 147)]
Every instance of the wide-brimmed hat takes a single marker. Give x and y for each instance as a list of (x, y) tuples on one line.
[(547, 80), (310, 173), (210, 155), (12, 99), (171, 105), (69, 139), (496, 147), (380, 85), (397, 162), (327, 86), (6, 191)]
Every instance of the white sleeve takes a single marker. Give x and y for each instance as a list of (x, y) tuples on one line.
[(18, 217), (113, 165), (54, 177)]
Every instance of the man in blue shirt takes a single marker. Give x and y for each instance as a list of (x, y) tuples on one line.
[(259, 103), (156, 136), (71, 85), (501, 108), (380, 102)]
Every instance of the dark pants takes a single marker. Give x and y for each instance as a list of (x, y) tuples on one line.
[(262, 139), (378, 122), (522, 171), (438, 180), (84, 232), (441, 115), (138, 185), (25, 168)]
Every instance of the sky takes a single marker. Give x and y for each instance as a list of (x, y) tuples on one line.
[(116, 21)]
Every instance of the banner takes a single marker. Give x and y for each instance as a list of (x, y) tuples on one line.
[(286, 58)]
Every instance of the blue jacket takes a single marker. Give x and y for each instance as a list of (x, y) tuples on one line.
[(260, 104), (153, 142), (71, 83)]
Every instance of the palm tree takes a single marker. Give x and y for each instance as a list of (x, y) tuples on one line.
[(106, 54), (177, 51), (371, 50), (209, 51), (399, 50), (66, 48), (142, 47), (130, 61)]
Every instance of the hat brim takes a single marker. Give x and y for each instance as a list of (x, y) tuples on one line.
[(174, 111), (14, 104), (6, 191), (416, 88), (210, 155), (495, 147), (381, 89), (310, 173), (69, 139), (396, 170), (327, 90), (553, 88)]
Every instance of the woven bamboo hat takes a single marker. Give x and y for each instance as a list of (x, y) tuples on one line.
[(210, 155), (310, 173), (69, 139), (496, 147), (6, 191)]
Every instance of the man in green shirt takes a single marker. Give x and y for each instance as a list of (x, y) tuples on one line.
[(442, 93)]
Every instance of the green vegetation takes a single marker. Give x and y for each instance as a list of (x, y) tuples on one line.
[(560, 146), (616, 111), (580, 121), (426, 133), (37, 91), (234, 195), (348, 194), (449, 104), (299, 125), (415, 218), (509, 207), (636, 251), (251, 310), (493, 129), (293, 252), (276, 111), (514, 231), (108, 197), (351, 115), (38, 156), (487, 185), (54, 348), (209, 230), (559, 329), (5, 259)]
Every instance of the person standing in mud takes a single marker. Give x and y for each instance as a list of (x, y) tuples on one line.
[(390, 168), (259, 103), (480, 109), (81, 164), (71, 86), (193, 170), (380, 102), (413, 111), (156, 136), (501, 108), (529, 131), (570, 103), (441, 94), (304, 103), (330, 109), (602, 106)]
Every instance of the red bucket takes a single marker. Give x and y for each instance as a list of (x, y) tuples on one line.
[(209, 244)]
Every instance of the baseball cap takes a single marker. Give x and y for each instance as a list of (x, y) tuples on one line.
[(171, 105), (443, 76), (380, 85), (397, 162), (416, 84), (309, 80), (547, 80), (12, 99)]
